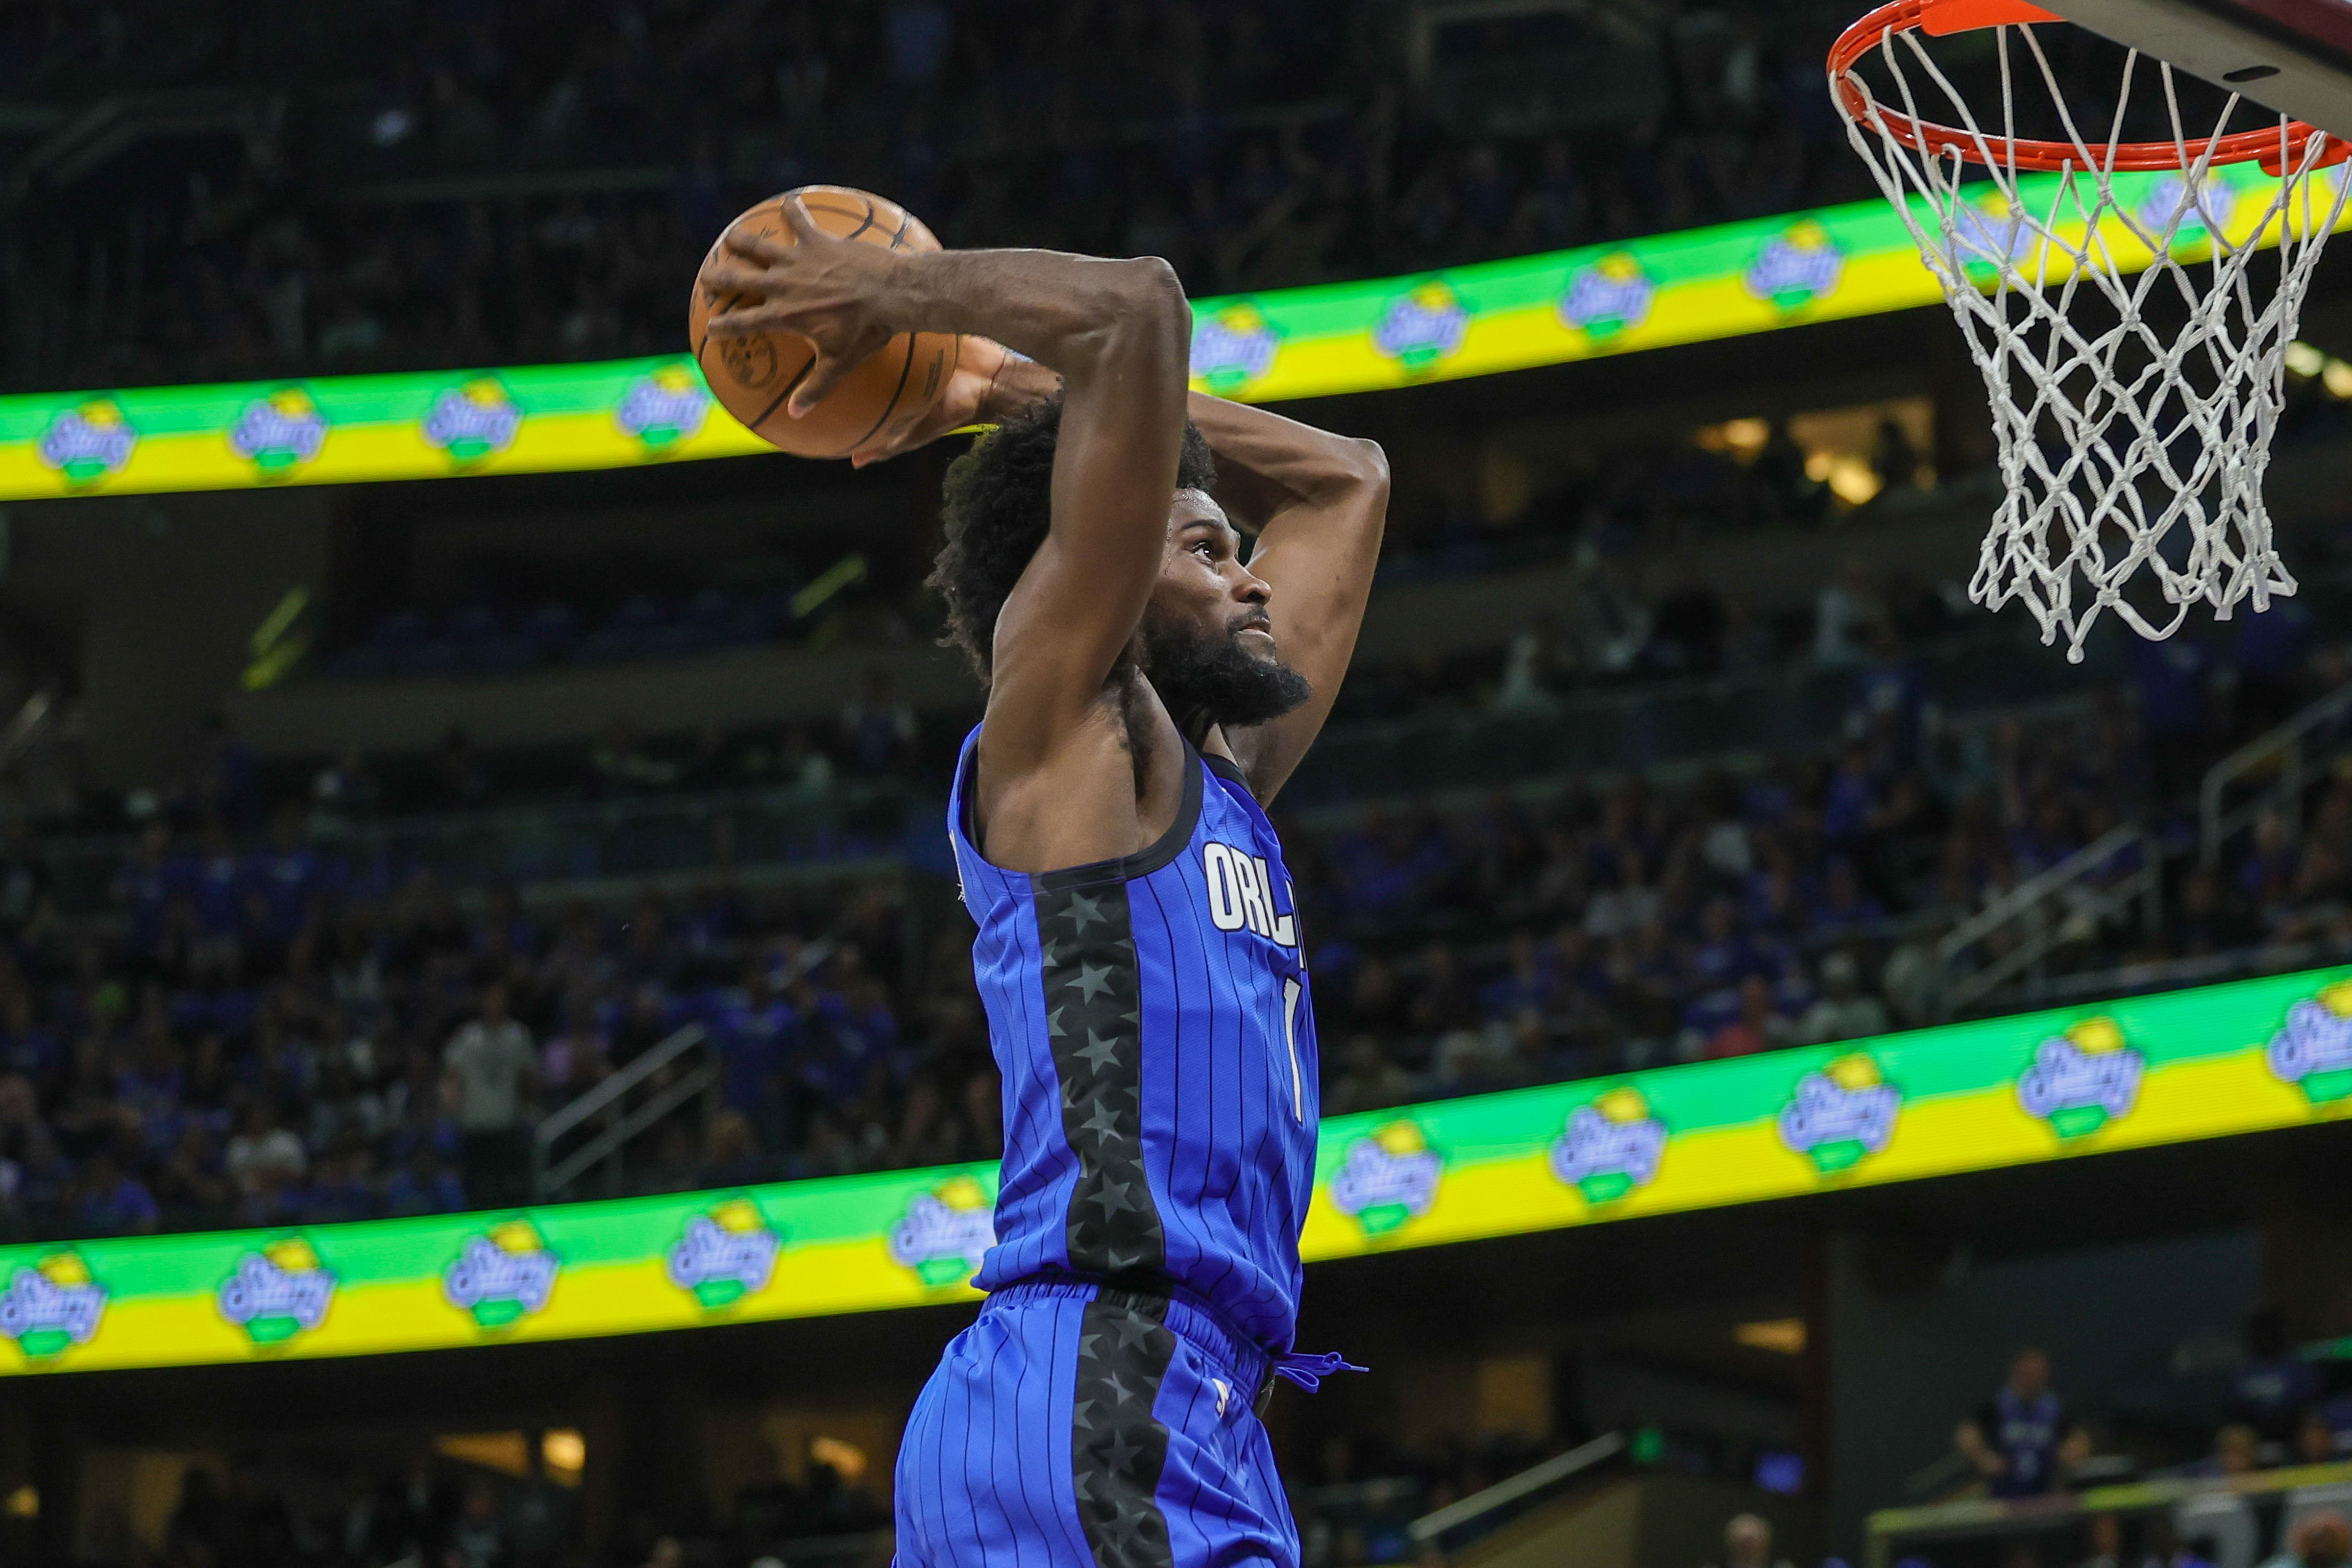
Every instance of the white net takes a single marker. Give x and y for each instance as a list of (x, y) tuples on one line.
[(2131, 440)]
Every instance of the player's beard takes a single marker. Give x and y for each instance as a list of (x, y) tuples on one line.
[(1215, 679)]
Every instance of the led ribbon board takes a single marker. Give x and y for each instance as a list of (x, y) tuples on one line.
[(2243, 1057), (1717, 282)]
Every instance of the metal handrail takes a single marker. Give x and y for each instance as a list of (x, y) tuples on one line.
[(1939, 1475), (2025, 903), (2216, 826), (1535, 1478), (2034, 890), (2146, 883), (609, 1143), (548, 1181), (25, 729), (640, 1068)]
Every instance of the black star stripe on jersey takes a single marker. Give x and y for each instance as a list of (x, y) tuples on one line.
[(1092, 998)]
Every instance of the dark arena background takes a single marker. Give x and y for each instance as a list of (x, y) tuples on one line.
[(490, 1071)]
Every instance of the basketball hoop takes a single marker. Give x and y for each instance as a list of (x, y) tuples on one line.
[(2112, 434)]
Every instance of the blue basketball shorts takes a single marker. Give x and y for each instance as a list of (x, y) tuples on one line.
[(1078, 1425)]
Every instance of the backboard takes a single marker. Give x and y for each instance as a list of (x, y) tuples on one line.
[(2292, 56)]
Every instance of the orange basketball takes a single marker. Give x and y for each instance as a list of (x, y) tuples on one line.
[(753, 377)]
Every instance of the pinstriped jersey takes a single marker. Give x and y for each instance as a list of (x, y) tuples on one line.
[(1151, 1020)]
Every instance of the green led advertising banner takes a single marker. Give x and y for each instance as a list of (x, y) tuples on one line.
[(2243, 1057), (1717, 282)]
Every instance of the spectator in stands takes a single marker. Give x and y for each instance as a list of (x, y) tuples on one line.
[(2165, 1549), (478, 1538), (2236, 1452), (1845, 906), (112, 1203), (878, 726), (490, 1074), (537, 1513), (262, 1157), (1854, 797), (574, 1059), (1845, 609), (1371, 1081), (2319, 1539), (730, 1153), (2023, 1441), (422, 1186), (2273, 1386), (344, 795), (2209, 917), (1759, 1027), (199, 1523), (2316, 1441), (2107, 1532), (1748, 1543), (802, 763), (1469, 1059), (1894, 458), (191, 1182), (1913, 972), (1843, 1012), (339, 1188), (28, 1150)]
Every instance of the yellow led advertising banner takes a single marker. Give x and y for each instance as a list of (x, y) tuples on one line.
[(2243, 1057), (1723, 281)]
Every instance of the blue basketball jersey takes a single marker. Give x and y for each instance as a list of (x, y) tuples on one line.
[(1151, 1019)]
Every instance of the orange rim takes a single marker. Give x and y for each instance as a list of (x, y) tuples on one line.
[(2276, 149)]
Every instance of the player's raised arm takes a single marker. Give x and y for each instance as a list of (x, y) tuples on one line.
[(1321, 502), (1118, 331)]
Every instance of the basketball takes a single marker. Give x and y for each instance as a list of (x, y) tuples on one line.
[(753, 377)]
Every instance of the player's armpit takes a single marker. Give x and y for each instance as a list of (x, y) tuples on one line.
[(1319, 503)]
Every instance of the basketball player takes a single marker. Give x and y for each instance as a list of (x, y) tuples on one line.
[(1152, 680)]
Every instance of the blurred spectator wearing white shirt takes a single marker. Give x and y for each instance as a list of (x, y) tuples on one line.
[(488, 1076), (262, 1152), (1842, 1011)]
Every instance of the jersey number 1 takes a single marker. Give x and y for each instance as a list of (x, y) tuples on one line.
[(1290, 989)]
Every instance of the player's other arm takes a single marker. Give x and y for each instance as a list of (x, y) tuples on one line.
[(1319, 503), (1118, 332)]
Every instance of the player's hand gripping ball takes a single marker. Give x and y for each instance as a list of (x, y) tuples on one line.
[(788, 323)]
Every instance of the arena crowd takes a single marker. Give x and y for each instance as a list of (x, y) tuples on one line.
[(271, 1019), (355, 227)]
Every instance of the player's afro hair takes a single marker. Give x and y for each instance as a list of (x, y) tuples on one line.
[(994, 507)]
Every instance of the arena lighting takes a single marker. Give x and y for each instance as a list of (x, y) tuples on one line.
[(847, 1460), (564, 1450), (1781, 1336), (1722, 282), (2184, 1065)]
